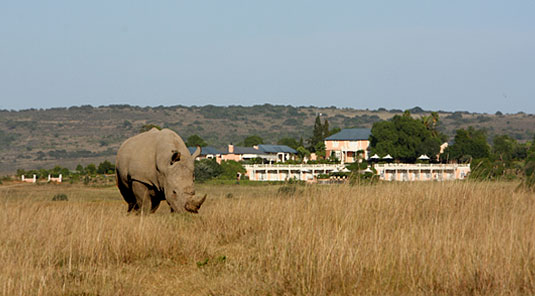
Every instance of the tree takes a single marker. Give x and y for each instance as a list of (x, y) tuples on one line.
[(80, 169), (469, 143), (195, 140), (302, 152), (317, 134), (290, 142), (206, 169), (532, 145), (127, 124), (105, 167), (320, 132), (230, 168), (333, 131), (503, 146), (405, 138), (325, 129), (253, 140), (91, 169), (431, 123), (529, 171)]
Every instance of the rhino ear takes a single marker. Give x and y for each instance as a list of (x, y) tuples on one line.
[(175, 157), (197, 152)]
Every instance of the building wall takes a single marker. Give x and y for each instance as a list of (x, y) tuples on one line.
[(277, 172), (422, 172), (349, 148), (235, 157)]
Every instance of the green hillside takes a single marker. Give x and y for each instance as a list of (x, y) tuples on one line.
[(43, 138)]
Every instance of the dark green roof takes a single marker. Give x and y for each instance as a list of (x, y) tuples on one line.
[(351, 134)]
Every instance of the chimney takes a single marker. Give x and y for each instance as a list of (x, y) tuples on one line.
[(230, 148)]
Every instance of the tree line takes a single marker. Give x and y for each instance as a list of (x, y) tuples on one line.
[(102, 168)]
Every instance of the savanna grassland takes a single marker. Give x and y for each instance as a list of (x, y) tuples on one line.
[(457, 238)]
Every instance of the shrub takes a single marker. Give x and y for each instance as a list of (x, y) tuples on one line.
[(206, 169), (230, 168), (287, 190), (60, 197)]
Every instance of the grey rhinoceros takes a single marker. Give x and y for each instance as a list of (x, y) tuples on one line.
[(154, 166)]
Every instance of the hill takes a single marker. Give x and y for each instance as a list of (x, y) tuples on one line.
[(43, 138)]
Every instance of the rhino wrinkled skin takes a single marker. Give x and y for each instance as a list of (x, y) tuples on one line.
[(154, 166)]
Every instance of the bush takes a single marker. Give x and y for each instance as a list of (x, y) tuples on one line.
[(206, 169), (230, 169), (363, 179), (60, 197), (287, 190), (106, 167), (529, 171)]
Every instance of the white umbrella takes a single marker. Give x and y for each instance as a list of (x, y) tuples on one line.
[(423, 157), (388, 156), (335, 170), (345, 170), (368, 170), (375, 156)]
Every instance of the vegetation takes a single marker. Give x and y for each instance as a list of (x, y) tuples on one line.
[(90, 170), (387, 239), (207, 169), (60, 197), (148, 127), (320, 132), (468, 144), (406, 138), (290, 142), (195, 140), (230, 169), (106, 167), (6, 139), (42, 138), (251, 141)]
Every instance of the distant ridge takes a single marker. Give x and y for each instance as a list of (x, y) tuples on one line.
[(66, 136)]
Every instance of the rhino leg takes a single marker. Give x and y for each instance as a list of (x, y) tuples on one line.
[(143, 199), (155, 204), (132, 207), (128, 195)]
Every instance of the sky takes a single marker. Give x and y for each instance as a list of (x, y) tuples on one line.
[(453, 55)]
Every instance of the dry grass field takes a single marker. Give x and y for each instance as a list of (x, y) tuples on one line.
[(386, 239)]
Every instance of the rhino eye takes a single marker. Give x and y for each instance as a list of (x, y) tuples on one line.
[(174, 191)]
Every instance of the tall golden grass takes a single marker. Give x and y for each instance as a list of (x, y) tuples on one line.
[(400, 238)]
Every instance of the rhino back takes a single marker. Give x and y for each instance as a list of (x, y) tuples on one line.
[(145, 157)]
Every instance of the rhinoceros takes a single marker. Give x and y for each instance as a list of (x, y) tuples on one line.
[(153, 166)]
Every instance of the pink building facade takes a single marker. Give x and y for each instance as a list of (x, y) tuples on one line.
[(349, 145), (422, 172)]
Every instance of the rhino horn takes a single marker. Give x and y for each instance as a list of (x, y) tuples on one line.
[(194, 204), (198, 202)]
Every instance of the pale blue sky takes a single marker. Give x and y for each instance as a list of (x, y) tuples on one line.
[(439, 55)]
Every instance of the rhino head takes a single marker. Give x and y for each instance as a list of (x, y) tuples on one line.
[(179, 190)]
